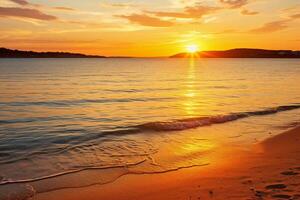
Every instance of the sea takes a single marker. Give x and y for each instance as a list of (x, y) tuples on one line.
[(102, 118)]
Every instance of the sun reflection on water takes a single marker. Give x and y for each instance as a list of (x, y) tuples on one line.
[(190, 93)]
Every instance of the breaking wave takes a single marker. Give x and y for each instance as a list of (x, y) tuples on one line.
[(182, 124)]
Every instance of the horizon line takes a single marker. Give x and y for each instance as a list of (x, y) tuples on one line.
[(125, 56)]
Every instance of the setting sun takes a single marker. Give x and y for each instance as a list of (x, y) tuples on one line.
[(193, 48)]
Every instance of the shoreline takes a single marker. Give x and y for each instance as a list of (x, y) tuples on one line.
[(266, 171)]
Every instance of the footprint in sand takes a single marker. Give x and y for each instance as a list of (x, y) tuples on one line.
[(276, 186), (289, 173), (211, 193), (260, 193), (282, 196), (247, 182)]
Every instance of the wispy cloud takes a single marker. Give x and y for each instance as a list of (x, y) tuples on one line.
[(295, 16), (292, 8), (234, 3), (25, 13), (20, 2), (271, 27), (196, 11), (276, 25), (64, 8), (146, 20), (118, 5), (248, 12), (25, 3)]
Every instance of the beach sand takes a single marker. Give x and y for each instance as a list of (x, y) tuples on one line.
[(269, 170)]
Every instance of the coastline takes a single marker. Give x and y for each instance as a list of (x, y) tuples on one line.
[(265, 171)]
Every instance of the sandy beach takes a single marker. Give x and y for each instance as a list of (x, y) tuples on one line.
[(150, 100), (269, 170)]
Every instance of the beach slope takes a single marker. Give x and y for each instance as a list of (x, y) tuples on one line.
[(270, 170)]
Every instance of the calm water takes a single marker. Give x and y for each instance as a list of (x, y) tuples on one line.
[(66, 115)]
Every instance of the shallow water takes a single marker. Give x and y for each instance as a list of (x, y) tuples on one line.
[(66, 115)]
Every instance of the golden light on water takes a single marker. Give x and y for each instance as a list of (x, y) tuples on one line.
[(190, 93)]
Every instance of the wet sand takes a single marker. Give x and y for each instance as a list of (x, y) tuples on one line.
[(269, 170)]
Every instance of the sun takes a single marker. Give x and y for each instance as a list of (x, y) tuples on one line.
[(192, 48)]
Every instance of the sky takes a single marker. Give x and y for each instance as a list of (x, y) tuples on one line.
[(148, 27)]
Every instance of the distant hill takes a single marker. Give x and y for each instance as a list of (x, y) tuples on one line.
[(232, 53), (243, 53), (9, 53)]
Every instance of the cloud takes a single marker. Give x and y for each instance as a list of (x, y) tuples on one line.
[(20, 2), (276, 25), (118, 5), (27, 4), (234, 3), (196, 11), (248, 12), (25, 13), (295, 16), (147, 20), (292, 8), (64, 8), (183, 3), (271, 27), (158, 18)]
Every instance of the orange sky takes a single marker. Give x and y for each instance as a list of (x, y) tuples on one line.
[(148, 28)]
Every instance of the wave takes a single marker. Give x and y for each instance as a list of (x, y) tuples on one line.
[(129, 172), (160, 126), (183, 124), (28, 189), (189, 123), (172, 125), (5, 181)]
